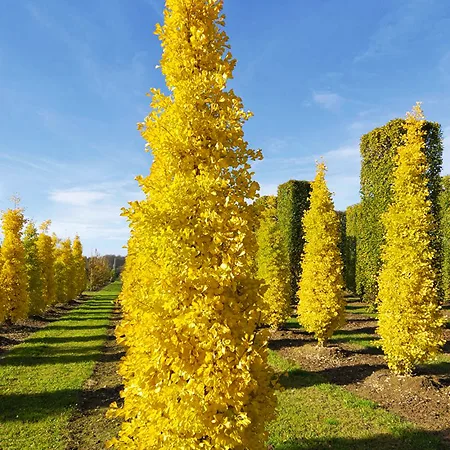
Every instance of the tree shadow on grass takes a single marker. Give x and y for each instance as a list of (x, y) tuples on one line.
[(298, 378), (35, 407), (370, 331), (344, 375), (406, 440), (33, 360), (79, 318), (441, 370), (278, 344), (55, 340), (82, 327)]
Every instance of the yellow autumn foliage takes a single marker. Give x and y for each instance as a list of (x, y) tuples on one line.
[(46, 254), (195, 372), (36, 300), (321, 305), (13, 275), (272, 266), (410, 320), (63, 270), (79, 264)]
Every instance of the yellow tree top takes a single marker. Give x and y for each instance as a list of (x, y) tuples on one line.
[(190, 256)]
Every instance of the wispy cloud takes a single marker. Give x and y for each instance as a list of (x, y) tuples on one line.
[(93, 211), (157, 5), (77, 197), (342, 153), (40, 164), (104, 79), (328, 100), (250, 69), (343, 165), (397, 29)]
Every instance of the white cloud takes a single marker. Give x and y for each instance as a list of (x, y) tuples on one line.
[(343, 153), (275, 145), (93, 211), (328, 100), (268, 189), (77, 197)]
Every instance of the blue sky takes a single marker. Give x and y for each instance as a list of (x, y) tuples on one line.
[(317, 75)]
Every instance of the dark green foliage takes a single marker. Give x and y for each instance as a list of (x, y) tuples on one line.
[(293, 201), (378, 149), (444, 202), (342, 226), (351, 237)]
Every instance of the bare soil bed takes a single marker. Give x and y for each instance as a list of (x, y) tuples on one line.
[(423, 399), (89, 428)]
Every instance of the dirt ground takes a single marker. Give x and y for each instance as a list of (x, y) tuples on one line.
[(423, 399), (89, 428), (13, 334)]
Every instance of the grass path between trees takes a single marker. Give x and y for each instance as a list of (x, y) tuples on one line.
[(41, 379)]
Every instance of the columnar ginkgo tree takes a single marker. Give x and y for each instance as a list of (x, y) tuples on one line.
[(410, 320), (36, 299), (46, 255), (195, 372), (321, 304), (272, 266), (63, 270), (13, 275), (79, 264)]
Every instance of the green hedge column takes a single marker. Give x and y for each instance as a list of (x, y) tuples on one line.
[(342, 237), (444, 201), (293, 201), (378, 149)]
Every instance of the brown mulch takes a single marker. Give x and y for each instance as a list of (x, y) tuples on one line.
[(423, 399), (89, 428), (13, 334)]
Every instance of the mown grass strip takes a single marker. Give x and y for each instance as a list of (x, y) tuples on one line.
[(41, 379), (314, 414)]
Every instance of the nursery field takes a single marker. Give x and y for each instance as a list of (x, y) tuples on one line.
[(43, 379), (57, 386)]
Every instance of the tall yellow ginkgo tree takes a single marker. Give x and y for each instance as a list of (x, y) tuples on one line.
[(195, 372), (79, 266), (36, 299), (13, 275), (46, 255), (272, 266), (321, 307), (63, 269), (410, 320)]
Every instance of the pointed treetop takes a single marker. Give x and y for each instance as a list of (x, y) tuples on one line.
[(45, 226)]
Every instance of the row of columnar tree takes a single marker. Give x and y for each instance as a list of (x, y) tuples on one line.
[(37, 269), (195, 372), (406, 288)]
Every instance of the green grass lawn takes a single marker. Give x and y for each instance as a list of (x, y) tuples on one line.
[(41, 379), (314, 414)]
